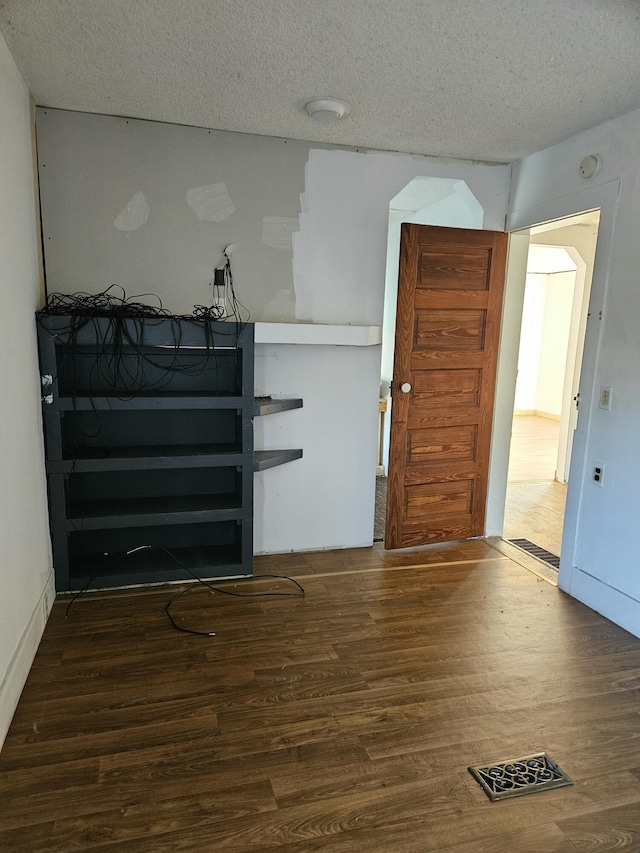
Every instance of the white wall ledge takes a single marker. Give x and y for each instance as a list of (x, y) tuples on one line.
[(317, 333)]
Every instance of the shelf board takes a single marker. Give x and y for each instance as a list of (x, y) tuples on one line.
[(155, 566), (263, 459), (146, 512), (172, 401), (149, 458), (269, 406)]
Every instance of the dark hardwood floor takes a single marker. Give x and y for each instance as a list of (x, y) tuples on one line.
[(341, 722)]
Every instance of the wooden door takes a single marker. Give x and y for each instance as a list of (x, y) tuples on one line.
[(447, 331)]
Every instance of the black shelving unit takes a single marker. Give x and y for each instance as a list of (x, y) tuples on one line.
[(149, 446)]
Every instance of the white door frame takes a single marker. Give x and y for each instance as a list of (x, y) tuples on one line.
[(573, 368), (603, 197)]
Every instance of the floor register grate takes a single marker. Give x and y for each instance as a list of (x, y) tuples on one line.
[(519, 776), (537, 551)]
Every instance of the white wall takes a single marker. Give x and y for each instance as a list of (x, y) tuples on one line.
[(25, 560), (530, 343), (340, 252), (544, 341), (602, 564), (554, 345), (325, 499), (331, 205)]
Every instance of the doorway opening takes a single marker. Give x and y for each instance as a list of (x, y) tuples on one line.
[(556, 298), (424, 200)]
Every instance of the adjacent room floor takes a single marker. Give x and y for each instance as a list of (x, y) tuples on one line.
[(535, 499), (342, 721)]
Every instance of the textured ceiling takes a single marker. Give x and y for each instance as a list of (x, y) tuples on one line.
[(478, 79)]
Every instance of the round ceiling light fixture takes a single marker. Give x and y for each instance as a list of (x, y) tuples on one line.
[(325, 110)]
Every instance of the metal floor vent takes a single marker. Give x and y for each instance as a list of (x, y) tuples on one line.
[(521, 776), (536, 551)]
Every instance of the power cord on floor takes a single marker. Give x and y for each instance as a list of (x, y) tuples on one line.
[(101, 571), (200, 581)]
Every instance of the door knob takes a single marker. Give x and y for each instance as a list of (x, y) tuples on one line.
[(405, 387)]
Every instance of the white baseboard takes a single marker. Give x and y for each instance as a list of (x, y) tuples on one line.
[(15, 677), (368, 543), (615, 605), (536, 413)]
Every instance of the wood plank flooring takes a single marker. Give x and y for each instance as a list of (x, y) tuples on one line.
[(535, 500), (535, 511), (341, 722), (533, 453)]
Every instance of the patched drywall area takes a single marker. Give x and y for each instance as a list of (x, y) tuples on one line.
[(151, 206), (134, 214)]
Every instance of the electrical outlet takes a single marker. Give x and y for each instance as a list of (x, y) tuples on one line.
[(598, 473), (605, 397)]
